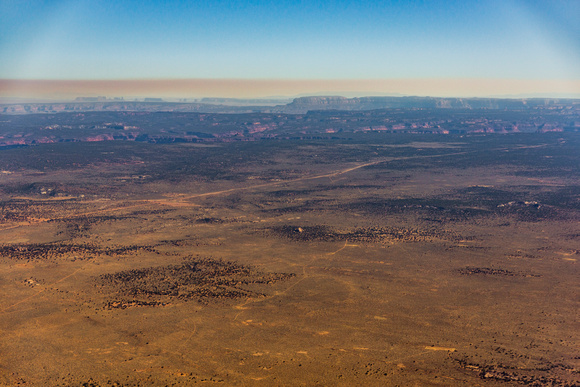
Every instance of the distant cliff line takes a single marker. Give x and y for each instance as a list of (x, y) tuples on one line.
[(297, 106), (373, 103)]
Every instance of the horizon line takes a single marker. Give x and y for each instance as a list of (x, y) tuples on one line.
[(266, 88)]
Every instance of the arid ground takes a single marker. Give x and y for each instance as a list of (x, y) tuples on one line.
[(368, 259)]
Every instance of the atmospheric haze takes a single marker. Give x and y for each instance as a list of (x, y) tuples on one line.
[(265, 48)]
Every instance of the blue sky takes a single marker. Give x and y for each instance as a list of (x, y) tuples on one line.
[(86, 39)]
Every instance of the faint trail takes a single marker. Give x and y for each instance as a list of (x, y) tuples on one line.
[(18, 225), (181, 201), (342, 248), (39, 292), (188, 339), (271, 184), (314, 177), (252, 300)]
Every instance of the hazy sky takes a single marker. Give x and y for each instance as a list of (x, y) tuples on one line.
[(530, 40)]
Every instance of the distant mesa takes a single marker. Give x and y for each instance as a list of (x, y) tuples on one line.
[(97, 99), (299, 105), (258, 102), (321, 100), (303, 104), (90, 99)]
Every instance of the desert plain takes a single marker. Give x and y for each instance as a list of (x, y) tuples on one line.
[(363, 259)]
